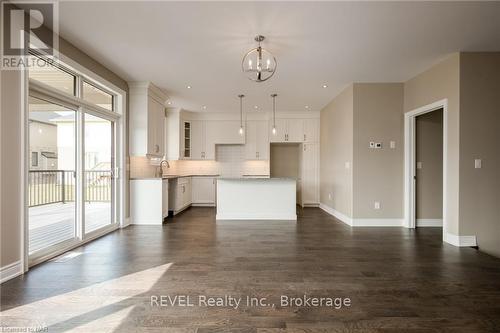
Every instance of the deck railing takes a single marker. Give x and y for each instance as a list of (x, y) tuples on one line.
[(53, 186)]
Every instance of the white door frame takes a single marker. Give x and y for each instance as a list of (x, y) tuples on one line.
[(410, 156)]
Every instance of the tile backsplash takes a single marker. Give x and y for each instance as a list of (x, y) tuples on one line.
[(230, 162)]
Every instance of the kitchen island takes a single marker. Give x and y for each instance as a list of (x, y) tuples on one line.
[(256, 199)]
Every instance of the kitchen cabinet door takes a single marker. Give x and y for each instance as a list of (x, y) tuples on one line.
[(262, 140), (311, 130), (295, 130), (164, 197), (197, 140), (251, 140), (281, 130), (203, 190)]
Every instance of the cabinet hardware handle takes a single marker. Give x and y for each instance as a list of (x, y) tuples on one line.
[(304, 137), (157, 148)]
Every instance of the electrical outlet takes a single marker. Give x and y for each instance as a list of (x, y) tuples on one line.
[(372, 144), (376, 205), (378, 145)]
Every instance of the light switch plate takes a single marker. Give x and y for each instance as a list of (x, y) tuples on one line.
[(347, 165), (419, 165), (392, 144), (376, 205), (477, 163)]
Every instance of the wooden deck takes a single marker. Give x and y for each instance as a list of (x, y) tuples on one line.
[(54, 223)]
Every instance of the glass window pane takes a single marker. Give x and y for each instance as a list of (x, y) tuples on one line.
[(98, 172), (52, 174), (52, 76), (97, 96)]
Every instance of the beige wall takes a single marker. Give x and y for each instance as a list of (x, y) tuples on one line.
[(442, 81), (10, 220), (480, 139), (378, 173), (11, 125), (285, 160), (429, 153), (336, 148)]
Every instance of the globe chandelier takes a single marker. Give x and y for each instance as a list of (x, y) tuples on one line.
[(259, 64)]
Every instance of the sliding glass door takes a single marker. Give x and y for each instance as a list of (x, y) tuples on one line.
[(71, 181), (99, 180), (51, 175)]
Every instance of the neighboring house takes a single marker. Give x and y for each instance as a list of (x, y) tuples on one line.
[(43, 148)]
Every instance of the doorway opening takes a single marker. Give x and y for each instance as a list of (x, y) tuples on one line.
[(426, 132), (429, 169)]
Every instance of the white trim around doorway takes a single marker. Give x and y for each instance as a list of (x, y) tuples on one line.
[(409, 220)]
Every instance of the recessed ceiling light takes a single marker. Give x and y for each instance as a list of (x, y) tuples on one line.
[(169, 102), (255, 106), (325, 86), (204, 107), (307, 106), (189, 87)]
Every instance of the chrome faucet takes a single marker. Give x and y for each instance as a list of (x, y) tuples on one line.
[(159, 169)]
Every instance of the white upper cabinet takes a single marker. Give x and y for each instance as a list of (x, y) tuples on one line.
[(311, 130), (295, 130), (280, 134), (147, 120), (257, 140), (197, 139)]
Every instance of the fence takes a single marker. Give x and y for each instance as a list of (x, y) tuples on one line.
[(53, 186)]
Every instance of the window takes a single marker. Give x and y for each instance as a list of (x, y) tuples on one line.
[(34, 159), (53, 76), (97, 96)]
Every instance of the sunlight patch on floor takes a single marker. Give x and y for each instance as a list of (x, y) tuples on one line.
[(104, 304)]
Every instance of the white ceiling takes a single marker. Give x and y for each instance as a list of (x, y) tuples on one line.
[(201, 44)]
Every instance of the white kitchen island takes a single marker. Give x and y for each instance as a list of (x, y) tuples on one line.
[(256, 199)]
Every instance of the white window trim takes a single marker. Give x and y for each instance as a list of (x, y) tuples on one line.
[(118, 114)]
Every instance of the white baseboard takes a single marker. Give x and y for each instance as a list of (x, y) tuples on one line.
[(429, 222), (344, 218), (10, 271), (462, 241), (377, 222), (353, 222)]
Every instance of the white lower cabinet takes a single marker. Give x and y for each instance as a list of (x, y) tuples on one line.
[(203, 191), (148, 201), (179, 194)]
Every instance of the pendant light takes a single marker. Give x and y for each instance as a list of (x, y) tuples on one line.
[(259, 64), (241, 113), (274, 113)]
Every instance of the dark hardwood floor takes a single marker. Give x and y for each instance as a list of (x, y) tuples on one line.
[(398, 280)]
